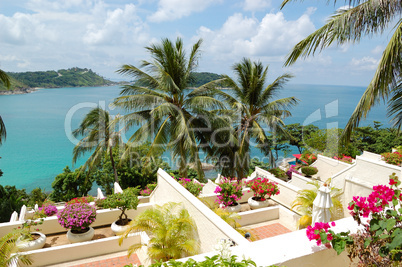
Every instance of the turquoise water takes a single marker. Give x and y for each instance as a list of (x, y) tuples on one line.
[(37, 147)]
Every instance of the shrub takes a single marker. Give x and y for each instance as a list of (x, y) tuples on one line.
[(192, 186), (263, 188), (278, 172), (345, 159), (77, 217), (392, 158), (229, 191), (148, 189), (309, 170), (48, 210), (308, 158), (291, 170), (128, 199)]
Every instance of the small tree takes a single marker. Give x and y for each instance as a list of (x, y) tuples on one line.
[(123, 201)]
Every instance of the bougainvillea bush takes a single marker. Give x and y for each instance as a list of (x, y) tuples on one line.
[(380, 241), (48, 210), (344, 158), (308, 158), (77, 217), (394, 158), (148, 190), (192, 186), (263, 188), (229, 191), (292, 169)]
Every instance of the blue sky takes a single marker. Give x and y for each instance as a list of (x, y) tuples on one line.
[(104, 34)]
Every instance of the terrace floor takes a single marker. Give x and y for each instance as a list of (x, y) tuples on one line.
[(266, 229)]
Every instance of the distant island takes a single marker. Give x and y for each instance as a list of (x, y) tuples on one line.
[(25, 82)]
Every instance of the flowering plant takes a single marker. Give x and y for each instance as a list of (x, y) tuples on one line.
[(77, 217), (229, 191), (48, 210), (263, 188), (380, 241), (292, 169), (394, 158), (308, 158), (26, 228), (191, 185), (148, 190), (344, 158), (320, 233)]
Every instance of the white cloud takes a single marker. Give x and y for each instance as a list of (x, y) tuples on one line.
[(256, 5), (240, 36), (379, 49), (169, 10), (365, 63)]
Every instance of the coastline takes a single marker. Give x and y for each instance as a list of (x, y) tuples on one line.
[(19, 91)]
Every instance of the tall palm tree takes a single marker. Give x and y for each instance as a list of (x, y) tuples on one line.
[(173, 233), (159, 103), (6, 80), (99, 135), (256, 110), (365, 18)]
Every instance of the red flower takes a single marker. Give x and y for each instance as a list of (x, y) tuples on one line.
[(392, 182)]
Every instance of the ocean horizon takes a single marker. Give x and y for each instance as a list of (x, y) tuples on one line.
[(38, 148)]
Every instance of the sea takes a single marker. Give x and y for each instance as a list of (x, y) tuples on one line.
[(39, 144)]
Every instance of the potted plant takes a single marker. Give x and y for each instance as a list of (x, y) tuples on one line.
[(30, 239), (126, 200), (229, 192), (77, 217), (309, 170), (192, 186), (263, 189)]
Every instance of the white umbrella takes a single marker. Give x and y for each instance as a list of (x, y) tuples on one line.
[(321, 205), (22, 213), (14, 217), (117, 188), (100, 194)]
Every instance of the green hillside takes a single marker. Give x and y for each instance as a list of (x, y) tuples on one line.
[(74, 77), (200, 78)]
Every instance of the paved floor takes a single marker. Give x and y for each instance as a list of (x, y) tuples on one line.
[(116, 261), (267, 231)]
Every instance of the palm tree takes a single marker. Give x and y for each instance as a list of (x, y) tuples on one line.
[(255, 108), (159, 102), (304, 203), (173, 233), (99, 135), (366, 18), (6, 80), (8, 250)]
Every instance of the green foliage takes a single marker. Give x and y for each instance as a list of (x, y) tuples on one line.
[(256, 163), (9, 251), (123, 201), (298, 133), (191, 174), (216, 260), (11, 199), (309, 170), (278, 172), (68, 185), (73, 77), (173, 233), (37, 196), (394, 158), (200, 78)]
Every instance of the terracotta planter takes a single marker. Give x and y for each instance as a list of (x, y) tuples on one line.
[(234, 208), (82, 237), (119, 229), (27, 245), (257, 204)]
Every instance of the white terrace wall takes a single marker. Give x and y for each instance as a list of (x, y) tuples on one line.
[(328, 167), (301, 182), (373, 171), (211, 228), (287, 193), (103, 217)]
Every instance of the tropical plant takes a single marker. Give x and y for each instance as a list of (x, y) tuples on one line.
[(254, 109), (11, 199), (263, 188), (379, 241), (9, 250), (192, 186), (278, 172), (308, 158), (26, 228), (173, 233), (148, 189), (159, 102), (6, 80), (77, 217), (305, 198), (394, 158), (347, 25), (99, 135), (309, 170), (68, 185), (128, 199), (229, 191)]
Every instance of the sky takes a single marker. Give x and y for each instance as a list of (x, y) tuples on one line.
[(40, 35)]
